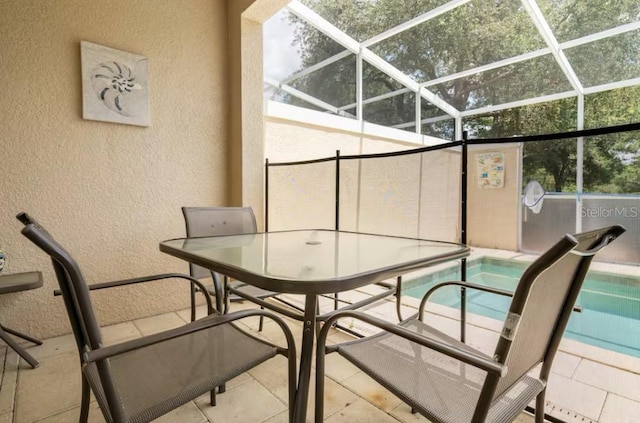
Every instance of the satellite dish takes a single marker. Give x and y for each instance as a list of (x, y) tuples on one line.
[(533, 196)]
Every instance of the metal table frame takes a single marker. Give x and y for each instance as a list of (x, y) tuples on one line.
[(225, 255), (16, 282)]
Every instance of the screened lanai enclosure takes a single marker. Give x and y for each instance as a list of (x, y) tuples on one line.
[(427, 72)]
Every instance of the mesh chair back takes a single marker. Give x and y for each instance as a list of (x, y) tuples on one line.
[(543, 302), (214, 221), (72, 285)]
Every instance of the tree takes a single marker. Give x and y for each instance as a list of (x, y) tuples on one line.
[(481, 32)]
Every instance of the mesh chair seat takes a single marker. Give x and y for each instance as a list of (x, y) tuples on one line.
[(140, 380), (154, 380), (450, 382), (439, 387)]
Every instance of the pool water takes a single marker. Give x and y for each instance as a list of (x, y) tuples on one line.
[(610, 303)]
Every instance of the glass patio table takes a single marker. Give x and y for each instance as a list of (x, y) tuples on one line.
[(311, 262)]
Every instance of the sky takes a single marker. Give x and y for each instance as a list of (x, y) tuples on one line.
[(281, 57)]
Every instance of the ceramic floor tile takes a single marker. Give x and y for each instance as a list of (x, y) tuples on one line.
[(273, 332), (279, 418), (360, 412), (72, 415), (600, 355), (249, 402), (339, 368), (565, 364), (188, 413), (372, 391), (273, 375), (54, 346), (154, 324), (338, 337), (201, 311), (387, 311), (620, 382), (239, 380), (51, 388), (620, 410), (403, 413), (120, 332), (51, 393), (336, 397), (573, 395), (524, 418), (9, 380)]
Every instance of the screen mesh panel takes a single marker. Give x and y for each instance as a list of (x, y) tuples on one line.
[(302, 196), (440, 195), (388, 191), (413, 195), (610, 193)]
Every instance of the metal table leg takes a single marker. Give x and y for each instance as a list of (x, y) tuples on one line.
[(304, 375), (4, 335)]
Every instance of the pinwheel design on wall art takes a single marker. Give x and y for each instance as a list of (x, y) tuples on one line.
[(115, 85)]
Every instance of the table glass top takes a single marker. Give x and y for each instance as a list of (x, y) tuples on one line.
[(311, 255)]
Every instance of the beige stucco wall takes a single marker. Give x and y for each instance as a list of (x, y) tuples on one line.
[(246, 137), (415, 195), (493, 218), (405, 196), (108, 192)]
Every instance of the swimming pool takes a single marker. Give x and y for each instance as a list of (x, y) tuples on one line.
[(610, 303)]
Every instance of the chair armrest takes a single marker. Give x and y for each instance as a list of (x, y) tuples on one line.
[(446, 349), (463, 284), (142, 279), (189, 328)]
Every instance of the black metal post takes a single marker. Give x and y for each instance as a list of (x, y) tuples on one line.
[(337, 190), (463, 234), (337, 211), (266, 195)]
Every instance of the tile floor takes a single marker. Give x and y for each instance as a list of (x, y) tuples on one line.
[(580, 389)]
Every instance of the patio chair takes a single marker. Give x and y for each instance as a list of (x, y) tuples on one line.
[(215, 221), (142, 379), (448, 381)]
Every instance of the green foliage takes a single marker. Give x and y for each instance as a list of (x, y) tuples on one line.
[(482, 32)]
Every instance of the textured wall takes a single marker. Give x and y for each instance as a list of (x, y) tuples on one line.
[(493, 213), (406, 195), (245, 103), (386, 198), (109, 192)]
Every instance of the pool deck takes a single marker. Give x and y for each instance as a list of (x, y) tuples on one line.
[(587, 384)]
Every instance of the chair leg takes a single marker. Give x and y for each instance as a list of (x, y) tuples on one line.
[(540, 407), (261, 324), (318, 322), (193, 302), (320, 362), (221, 390), (17, 348), (84, 404)]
